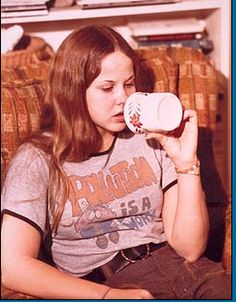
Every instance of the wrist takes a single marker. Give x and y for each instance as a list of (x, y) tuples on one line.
[(106, 293), (182, 164), (189, 169)]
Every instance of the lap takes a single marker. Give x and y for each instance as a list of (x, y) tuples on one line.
[(167, 275)]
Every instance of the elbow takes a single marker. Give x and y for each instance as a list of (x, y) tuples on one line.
[(190, 252), (192, 257), (5, 280), (8, 274), (8, 290), (194, 254)]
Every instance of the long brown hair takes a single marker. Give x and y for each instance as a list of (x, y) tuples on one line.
[(72, 136)]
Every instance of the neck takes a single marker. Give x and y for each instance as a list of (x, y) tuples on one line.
[(108, 139)]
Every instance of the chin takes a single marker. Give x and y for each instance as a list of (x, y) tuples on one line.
[(118, 128), (114, 128)]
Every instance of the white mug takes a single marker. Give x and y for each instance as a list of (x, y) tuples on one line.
[(159, 111)]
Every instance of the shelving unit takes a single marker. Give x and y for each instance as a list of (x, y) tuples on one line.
[(74, 12), (215, 12), (55, 26)]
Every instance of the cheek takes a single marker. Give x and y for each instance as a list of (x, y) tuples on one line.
[(94, 110), (98, 101), (91, 104), (98, 106)]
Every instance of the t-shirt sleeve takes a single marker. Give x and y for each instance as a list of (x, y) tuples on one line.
[(24, 192), (169, 176)]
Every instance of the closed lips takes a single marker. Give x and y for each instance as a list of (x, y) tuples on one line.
[(119, 115)]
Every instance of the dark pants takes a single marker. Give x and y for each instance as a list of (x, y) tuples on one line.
[(169, 276)]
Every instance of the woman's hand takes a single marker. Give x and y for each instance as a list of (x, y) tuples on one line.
[(180, 144), (116, 293)]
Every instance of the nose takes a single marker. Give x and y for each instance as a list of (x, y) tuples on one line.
[(121, 97)]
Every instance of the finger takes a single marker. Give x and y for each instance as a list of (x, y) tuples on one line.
[(189, 113), (155, 135)]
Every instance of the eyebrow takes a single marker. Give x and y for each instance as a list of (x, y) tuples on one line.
[(130, 78), (110, 81)]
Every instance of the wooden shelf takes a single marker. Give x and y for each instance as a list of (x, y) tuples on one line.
[(74, 12), (55, 26)]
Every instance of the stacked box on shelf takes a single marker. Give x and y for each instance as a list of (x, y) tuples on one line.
[(189, 32), (23, 8)]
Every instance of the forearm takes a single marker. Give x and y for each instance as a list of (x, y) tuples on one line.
[(191, 225), (38, 279)]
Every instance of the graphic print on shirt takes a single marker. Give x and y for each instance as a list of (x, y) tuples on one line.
[(85, 226), (91, 197)]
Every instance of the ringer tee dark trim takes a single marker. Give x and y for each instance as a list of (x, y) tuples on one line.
[(32, 223), (170, 185), (106, 151)]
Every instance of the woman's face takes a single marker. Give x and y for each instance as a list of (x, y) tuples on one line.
[(107, 94)]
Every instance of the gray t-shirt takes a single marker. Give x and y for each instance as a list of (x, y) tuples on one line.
[(115, 200)]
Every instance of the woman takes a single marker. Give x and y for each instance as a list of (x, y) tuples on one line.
[(125, 212)]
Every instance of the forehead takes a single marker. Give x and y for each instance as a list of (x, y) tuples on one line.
[(116, 63), (114, 59)]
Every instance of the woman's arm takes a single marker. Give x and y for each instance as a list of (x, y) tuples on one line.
[(185, 214), (23, 272), (185, 217)]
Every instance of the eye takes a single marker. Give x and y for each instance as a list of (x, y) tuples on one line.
[(107, 89), (130, 84)]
